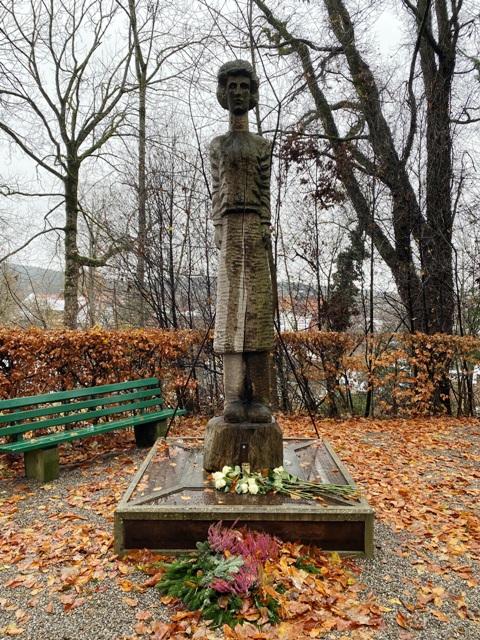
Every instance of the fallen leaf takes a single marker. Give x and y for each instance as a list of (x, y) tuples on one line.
[(141, 628), (440, 615), (126, 585), (402, 620), (143, 615), (131, 602), (13, 630), (161, 630)]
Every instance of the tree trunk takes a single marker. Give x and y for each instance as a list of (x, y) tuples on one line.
[(141, 74), (72, 267), (142, 199), (171, 261), (437, 73)]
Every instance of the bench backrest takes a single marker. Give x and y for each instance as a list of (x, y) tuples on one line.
[(66, 407)]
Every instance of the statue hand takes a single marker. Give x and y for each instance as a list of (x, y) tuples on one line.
[(218, 236)]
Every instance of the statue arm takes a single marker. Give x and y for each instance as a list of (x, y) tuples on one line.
[(216, 211), (214, 164)]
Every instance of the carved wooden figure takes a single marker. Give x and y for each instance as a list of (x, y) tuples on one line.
[(240, 164)]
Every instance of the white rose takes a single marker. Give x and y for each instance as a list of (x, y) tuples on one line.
[(218, 475), (253, 488), (244, 488), (226, 470), (220, 483)]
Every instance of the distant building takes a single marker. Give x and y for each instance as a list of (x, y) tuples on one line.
[(298, 314), (52, 305)]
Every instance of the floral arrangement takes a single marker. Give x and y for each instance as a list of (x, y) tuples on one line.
[(242, 480), (222, 574)]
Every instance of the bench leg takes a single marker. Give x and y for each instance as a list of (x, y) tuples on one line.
[(42, 464), (148, 433)]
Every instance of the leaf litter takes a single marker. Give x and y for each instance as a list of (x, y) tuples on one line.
[(421, 476)]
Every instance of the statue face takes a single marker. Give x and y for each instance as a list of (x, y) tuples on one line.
[(238, 94)]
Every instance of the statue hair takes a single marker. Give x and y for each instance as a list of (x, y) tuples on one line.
[(237, 68)]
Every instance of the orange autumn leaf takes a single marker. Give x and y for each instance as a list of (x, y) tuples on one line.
[(297, 608), (126, 585), (131, 602), (13, 630), (440, 616), (161, 630), (141, 628), (402, 620), (181, 615), (143, 615)]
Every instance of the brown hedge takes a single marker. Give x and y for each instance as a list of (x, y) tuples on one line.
[(36, 361), (405, 372)]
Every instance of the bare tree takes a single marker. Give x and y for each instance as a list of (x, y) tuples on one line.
[(178, 242), (155, 42), (62, 93), (358, 135)]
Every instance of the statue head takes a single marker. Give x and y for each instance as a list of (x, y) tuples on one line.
[(234, 69)]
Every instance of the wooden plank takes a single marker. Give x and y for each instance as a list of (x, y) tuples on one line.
[(84, 432), (67, 407), (345, 536), (58, 396), (78, 417)]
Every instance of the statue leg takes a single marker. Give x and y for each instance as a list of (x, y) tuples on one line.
[(258, 377), (234, 386)]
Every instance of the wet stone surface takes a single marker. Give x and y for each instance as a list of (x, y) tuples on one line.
[(175, 472)]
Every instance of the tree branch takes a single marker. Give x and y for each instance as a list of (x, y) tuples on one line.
[(86, 261), (29, 241), (411, 96)]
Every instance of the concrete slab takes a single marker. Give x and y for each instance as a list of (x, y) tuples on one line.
[(171, 503)]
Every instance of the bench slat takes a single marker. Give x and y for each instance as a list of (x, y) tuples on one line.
[(67, 407), (78, 407), (78, 417), (58, 396), (67, 436)]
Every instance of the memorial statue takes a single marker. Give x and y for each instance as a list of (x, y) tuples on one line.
[(246, 433), (240, 164)]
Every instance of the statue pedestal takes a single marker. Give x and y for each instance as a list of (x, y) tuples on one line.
[(260, 445), (171, 502)]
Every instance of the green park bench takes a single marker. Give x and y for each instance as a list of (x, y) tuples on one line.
[(83, 413)]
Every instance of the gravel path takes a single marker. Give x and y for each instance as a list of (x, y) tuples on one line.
[(59, 578)]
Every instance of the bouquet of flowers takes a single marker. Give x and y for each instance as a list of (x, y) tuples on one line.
[(242, 480), (224, 577)]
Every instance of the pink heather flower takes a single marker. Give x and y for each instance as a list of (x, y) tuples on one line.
[(242, 582), (242, 542), (253, 547)]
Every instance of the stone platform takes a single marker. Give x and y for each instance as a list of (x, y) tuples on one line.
[(171, 503)]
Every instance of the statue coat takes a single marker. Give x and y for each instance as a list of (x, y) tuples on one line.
[(240, 163)]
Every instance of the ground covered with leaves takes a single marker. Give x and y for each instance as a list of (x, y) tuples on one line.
[(59, 577)]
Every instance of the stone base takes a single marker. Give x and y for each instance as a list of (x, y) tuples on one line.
[(42, 464), (147, 434), (260, 445), (171, 503)]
